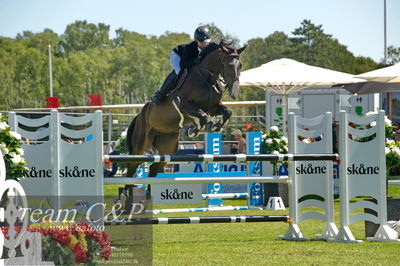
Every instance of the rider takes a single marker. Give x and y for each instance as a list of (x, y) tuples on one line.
[(183, 57)]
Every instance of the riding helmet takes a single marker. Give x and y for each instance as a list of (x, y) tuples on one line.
[(202, 34)]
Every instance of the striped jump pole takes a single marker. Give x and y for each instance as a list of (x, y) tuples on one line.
[(201, 209), (204, 219), (222, 158)]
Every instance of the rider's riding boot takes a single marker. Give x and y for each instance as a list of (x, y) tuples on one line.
[(165, 88)]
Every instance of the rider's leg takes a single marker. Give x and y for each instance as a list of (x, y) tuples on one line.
[(165, 88)]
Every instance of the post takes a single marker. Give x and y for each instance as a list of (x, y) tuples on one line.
[(384, 34), (108, 150), (50, 73)]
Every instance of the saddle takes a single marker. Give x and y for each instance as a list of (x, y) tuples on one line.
[(177, 83)]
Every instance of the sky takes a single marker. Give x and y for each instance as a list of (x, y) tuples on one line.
[(357, 24)]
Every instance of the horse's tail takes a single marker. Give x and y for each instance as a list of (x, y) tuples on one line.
[(129, 135)]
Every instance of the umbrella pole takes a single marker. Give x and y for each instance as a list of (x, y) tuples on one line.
[(390, 105), (284, 113)]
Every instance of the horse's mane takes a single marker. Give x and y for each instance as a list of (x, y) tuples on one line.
[(212, 46)]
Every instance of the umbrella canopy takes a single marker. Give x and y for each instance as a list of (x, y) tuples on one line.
[(371, 87), (389, 74), (382, 80), (285, 76)]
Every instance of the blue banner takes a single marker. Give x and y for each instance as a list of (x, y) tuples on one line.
[(213, 145), (255, 169)]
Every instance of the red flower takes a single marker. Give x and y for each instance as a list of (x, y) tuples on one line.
[(80, 254), (62, 235)]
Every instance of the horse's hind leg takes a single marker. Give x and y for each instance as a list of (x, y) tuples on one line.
[(141, 141), (165, 144)]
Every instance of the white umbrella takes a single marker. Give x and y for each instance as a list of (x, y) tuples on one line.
[(382, 80), (285, 76), (389, 74)]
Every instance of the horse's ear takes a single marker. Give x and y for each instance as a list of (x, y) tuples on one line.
[(225, 49), (240, 50)]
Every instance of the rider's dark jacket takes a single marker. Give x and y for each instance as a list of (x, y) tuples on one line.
[(189, 52)]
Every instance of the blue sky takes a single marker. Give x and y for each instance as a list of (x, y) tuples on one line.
[(358, 24)]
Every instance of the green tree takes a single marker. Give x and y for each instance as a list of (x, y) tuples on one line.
[(260, 51), (393, 54), (42, 40), (130, 67), (82, 35), (312, 46), (217, 34), (31, 78)]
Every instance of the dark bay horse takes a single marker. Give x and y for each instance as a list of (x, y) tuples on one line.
[(189, 107)]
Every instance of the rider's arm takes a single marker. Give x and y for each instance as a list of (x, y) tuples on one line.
[(189, 56), (175, 59)]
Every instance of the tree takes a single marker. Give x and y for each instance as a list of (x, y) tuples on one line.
[(82, 35), (261, 51), (217, 34), (393, 54), (130, 67), (312, 46), (42, 40)]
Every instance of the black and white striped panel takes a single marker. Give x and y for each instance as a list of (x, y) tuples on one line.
[(221, 158)]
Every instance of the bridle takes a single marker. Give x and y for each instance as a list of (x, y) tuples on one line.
[(221, 71)]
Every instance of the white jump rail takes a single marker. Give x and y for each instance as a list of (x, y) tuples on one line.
[(197, 180), (394, 182)]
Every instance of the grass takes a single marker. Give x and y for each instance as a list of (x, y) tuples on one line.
[(245, 243)]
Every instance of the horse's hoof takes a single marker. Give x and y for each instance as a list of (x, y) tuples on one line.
[(209, 127), (192, 132), (217, 127)]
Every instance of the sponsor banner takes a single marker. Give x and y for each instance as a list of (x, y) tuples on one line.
[(177, 194), (214, 146), (255, 169)]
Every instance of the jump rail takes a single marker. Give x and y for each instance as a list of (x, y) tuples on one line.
[(222, 158), (226, 196), (204, 209), (205, 219), (197, 180)]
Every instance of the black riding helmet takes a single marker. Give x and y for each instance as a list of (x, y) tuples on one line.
[(202, 34)]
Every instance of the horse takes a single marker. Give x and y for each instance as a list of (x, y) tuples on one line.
[(188, 107)]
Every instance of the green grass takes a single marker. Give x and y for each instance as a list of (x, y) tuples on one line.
[(247, 243)]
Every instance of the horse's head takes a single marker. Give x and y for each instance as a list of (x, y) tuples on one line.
[(230, 69), (222, 59)]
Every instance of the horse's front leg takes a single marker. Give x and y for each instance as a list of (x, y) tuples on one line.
[(197, 114), (226, 113)]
